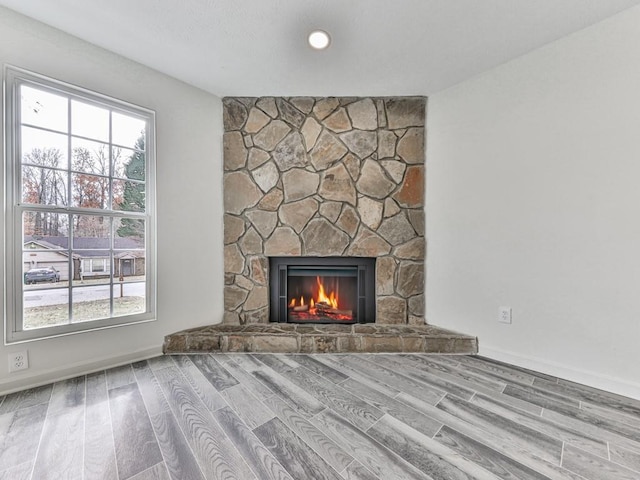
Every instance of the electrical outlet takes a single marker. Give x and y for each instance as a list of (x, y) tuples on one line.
[(18, 361), (504, 314)]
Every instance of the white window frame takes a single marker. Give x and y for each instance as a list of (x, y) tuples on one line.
[(13, 274)]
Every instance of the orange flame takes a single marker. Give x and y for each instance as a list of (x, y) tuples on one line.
[(331, 299), (293, 302)]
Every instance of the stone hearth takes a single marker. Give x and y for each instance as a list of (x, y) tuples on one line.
[(308, 176)]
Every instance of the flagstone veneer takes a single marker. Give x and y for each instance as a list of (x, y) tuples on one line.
[(306, 176)]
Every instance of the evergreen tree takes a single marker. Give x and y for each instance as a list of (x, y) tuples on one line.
[(133, 197)]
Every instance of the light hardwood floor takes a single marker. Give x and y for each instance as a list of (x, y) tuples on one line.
[(356, 417)]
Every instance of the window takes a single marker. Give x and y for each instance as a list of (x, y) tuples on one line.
[(80, 192)]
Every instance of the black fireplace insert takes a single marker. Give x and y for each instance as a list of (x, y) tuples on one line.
[(322, 289)]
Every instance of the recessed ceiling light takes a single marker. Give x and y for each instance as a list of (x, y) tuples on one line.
[(319, 39)]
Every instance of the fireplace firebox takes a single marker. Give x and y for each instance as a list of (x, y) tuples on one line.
[(322, 289)]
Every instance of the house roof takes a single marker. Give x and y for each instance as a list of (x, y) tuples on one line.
[(89, 246)]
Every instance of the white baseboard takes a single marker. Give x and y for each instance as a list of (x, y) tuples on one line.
[(45, 377), (584, 377)]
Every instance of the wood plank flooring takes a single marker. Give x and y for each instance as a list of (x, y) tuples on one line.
[(324, 417)]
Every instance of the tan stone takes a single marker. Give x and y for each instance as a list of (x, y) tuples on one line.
[(256, 121), (416, 217), (370, 212), (382, 115), (324, 107), (174, 344), (363, 114), (202, 343), (233, 259), (411, 194), (373, 182), (304, 104), (353, 165), (337, 185), (257, 316), (230, 318), (416, 320), (413, 344), (410, 279), (323, 239), (299, 183), (416, 305), (266, 176), (338, 121), (251, 243), (234, 296), (240, 192), (396, 230), (257, 157), (385, 275), (331, 210), (272, 200), (310, 132), (229, 278), (327, 150), (391, 310), (258, 270), (235, 153), (386, 144), (265, 222), (268, 105), (297, 214), (275, 344), (391, 208), (381, 344), (290, 152), (234, 114), (362, 144), (395, 169), (243, 282), (411, 146), (258, 298), (283, 242), (271, 135), (248, 141), (348, 220), (233, 228), (405, 112), (412, 250), (368, 244), (289, 113)]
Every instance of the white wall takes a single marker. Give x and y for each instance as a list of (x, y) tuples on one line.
[(189, 202), (533, 201)]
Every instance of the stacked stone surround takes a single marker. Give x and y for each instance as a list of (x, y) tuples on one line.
[(306, 176)]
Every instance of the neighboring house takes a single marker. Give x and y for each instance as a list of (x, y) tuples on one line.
[(91, 257)]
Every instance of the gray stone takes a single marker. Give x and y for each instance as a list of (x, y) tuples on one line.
[(405, 112), (338, 121), (298, 214), (385, 275), (323, 239), (416, 305), (391, 310), (299, 184), (363, 114), (268, 106), (373, 182), (416, 320), (348, 220), (271, 135), (310, 131), (231, 318), (248, 141), (258, 298), (258, 267), (275, 344), (233, 259), (243, 282), (304, 104), (246, 101), (240, 192), (411, 146), (251, 242), (412, 250), (337, 185), (331, 210), (382, 115), (229, 278), (233, 228), (360, 143), (324, 107), (368, 244), (265, 222), (416, 217), (397, 229), (410, 279), (328, 149), (411, 193), (235, 153), (257, 316), (395, 169), (390, 208), (234, 296), (234, 114), (266, 176), (283, 243), (370, 212), (257, 157), (289, 113), (272, 200), (353, 165), (290, 152), (386, 144), (256, 121)]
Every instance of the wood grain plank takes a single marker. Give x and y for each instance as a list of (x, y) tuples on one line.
[(120, 376), (19, 472), (20, 433), (512, 368), (319, 368), (99, 448), (149, 389), (61, 447), (259, 458), (370, 382), (356, 471), (157, 472), (216, 455), (209, 396), (604, 411), (330, 451), (161, 361), (135, 442), (258, 389), (594, 467), (369, 452), (436, 460), (290, 392), (247, 407), (496, 370), (625, 457), (213, 371), (178, 457), (26, 398), (293, 454)]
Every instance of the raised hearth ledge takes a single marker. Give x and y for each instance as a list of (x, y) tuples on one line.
[(300, 338)]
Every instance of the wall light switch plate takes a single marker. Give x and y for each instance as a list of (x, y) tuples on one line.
[(504, 314)]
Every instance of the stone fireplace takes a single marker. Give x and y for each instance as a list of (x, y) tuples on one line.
[(324, 178)]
